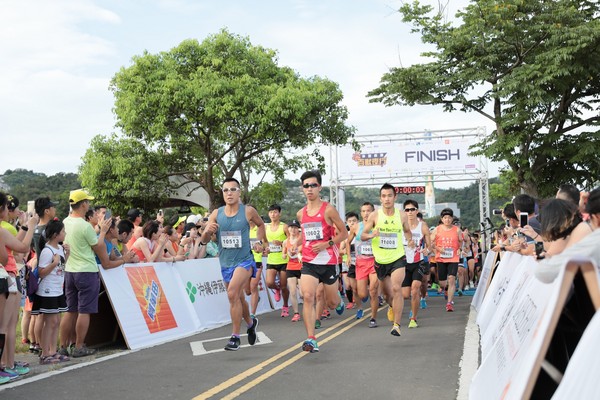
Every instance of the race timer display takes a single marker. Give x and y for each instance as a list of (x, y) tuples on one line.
[(410, 189)]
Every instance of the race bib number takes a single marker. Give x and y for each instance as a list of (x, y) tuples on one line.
[(447, 253), (273, 248), (388, 240), (231, 240), (366, 250), (313, 231)]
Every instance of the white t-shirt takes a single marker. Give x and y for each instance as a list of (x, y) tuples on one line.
[(52, 284)]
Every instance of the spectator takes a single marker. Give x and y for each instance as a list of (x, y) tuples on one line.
[(173, 251), (110, 239), (135, 216), (524, 203), (125, 228), (569, 193), (150, 246)]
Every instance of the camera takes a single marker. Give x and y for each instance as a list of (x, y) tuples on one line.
[(497, 211)]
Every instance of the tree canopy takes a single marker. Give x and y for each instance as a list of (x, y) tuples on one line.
[(219, 109), (532, 67)]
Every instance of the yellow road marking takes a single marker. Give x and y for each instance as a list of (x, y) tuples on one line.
[(249, 372)]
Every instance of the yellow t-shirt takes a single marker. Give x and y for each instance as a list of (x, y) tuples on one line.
[(80, 237)]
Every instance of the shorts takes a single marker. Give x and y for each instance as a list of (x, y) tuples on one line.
[(82, 290), (384, 270), (352, 271), (414, 272), (4, 286), (277, 267), (258, 264), (49, 305), (425, 267), (327, 274), (248, 265), (364, 268), (293, 273), (447, 269)]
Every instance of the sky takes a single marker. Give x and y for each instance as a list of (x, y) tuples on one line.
[(59, 56)]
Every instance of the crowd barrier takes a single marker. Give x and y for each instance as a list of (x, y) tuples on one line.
[(535, 337), (155, 303)]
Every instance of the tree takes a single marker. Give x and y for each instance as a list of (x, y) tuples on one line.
[(224, 107), (532, 67)]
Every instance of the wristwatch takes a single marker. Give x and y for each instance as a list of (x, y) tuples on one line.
[(331, 243)]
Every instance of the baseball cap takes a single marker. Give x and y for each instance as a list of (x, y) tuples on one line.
[(294, 223), (133, 213), (79, 195), (179, 221), (193, 219), (44, 203)]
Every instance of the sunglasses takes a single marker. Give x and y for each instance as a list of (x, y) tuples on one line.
[(232, 190), (410, 209), (310, 185)]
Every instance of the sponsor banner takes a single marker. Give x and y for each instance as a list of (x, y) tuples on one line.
[(408, 156), (149, 304)]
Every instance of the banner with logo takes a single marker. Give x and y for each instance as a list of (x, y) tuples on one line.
[(408, 156)]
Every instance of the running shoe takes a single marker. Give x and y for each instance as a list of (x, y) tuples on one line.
[(390, 314), (233, 344), (317, 324), (372, 323), (340, 308), (359, 314), (395, 330), (285, 312), (423, 304), (17, 369), (364, 300), (252, 332), (413, 323), (4, 379), (449, 307), (326, 314), (471, 285), (380, 298), (82, 352), (310, 345), (349, 306), (435, 286), (460, 292), (277, 294), (6, 373), (296, 317)]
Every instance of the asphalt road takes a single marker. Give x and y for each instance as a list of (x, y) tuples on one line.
[(354, 362)]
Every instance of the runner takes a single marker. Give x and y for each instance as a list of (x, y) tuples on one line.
[(387, 227), (292, 250), (276, 234), (253, 283), (349, 247), (231, 225), (411, 286), (366, 277), (447, 240), (426, 251), (319, 253)]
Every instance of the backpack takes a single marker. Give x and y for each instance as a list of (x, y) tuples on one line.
[(32, 281)]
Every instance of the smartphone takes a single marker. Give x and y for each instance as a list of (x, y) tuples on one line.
[(523, 219), (187, 234), (160, 212), (108, 214), (205, 219), (539, 249), (31, 208)]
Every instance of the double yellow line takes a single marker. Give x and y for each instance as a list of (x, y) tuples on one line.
[(259, 367)]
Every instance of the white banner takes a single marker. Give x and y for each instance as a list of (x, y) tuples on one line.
[(159, 302), (486, 271), (408, 156)]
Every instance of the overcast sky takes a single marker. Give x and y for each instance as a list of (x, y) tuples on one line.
[(58, 58)]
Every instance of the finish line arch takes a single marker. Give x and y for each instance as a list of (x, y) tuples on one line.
[(411, 158)]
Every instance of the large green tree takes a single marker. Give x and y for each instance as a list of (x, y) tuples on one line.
[(224, 108), (532, 67)]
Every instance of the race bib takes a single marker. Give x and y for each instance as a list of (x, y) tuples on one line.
[(366, 250), (447, 253), (313, 231), (231, 239), (273, 248), (388, 240)]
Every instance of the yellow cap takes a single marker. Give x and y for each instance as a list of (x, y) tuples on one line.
[(179, 221), (79, 195)]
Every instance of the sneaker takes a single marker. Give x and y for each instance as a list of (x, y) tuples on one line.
[(460, 292), (449, 307), (63, 352), (349, 306), (471, 285), (83, 352), (317, 324), (277, 295), (365, 299), (413, 323), (326, 314), (296, 317), (380, 300), (435, 286), (395, 330), (35, 348), (4, 379), (285, 312), (4, 373), (372, 323), (310, 345), (17, 369), (423, 304), (340, 308), (390, 314), (252, 332), (359, 314), (22, 363), (233, 344)]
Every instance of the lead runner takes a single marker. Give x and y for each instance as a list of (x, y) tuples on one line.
[(322, 231)]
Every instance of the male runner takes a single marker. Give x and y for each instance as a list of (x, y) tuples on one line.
[(231, 223), (386, 227), (277, 232), (252, 285), (322, 231)]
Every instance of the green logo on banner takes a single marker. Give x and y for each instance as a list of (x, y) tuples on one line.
[(191, 291)]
